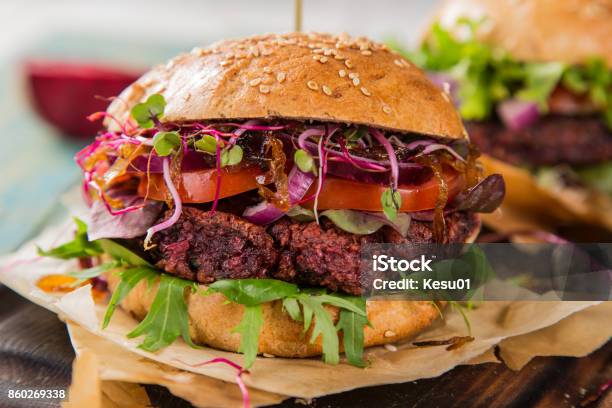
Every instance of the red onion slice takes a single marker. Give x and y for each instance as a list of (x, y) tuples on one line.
[(265, 212), (517, 114), (390, 152)]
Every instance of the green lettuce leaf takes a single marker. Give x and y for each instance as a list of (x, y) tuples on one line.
[(486, 75)]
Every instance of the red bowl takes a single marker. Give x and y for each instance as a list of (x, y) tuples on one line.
[(65, 93)]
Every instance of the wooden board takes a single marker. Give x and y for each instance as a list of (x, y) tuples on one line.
[(35, 353)]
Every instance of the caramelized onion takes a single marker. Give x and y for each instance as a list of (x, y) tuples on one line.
[(275, 174), (439, 224)]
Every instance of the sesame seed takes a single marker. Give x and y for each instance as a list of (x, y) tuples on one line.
[(318, 51), (229, 55), (313, 85), (267, 80), (366, 52), (266, 52), (326, 90), (311, 46), (316, 57), (348, 64), (280, 77), (328, 51), (268, 355), (225, 63), (342, 73), (323, 60), (386, 109), (267, 70), (353, 75), (389, 333), (255, 82), (339, 57), (365, 91), (398, 62), (390, 347), (264, 89), (356, 81)]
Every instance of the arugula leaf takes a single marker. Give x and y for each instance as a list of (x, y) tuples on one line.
[(79, 247), (323, 326), (352, 324), (167, 318), (166, 143), (249, 329), (129, 280), (292, 307), (84, 274), (153, 108), (342, 302), (121, 253), (251, 292)]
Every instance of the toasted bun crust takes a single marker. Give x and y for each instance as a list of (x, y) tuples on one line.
[(299, 76), (568, 31), (526, 199)]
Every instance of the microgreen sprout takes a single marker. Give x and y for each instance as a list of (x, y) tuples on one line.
[(147, 113), (232, 156), (166, 143), (208, 144), (304, 161)]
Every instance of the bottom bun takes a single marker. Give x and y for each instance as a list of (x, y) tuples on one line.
[(211, 321), (532, 204)]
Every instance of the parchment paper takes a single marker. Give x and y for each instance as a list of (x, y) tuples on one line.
[(493, 323)]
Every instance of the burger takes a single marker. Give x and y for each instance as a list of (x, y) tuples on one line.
[(234, 188), (532, 80)]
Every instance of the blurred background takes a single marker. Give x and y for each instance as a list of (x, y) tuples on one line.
[(55, 55)]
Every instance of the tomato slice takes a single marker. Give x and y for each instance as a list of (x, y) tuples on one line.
[(200, 186), (337, 193), (340, 194)]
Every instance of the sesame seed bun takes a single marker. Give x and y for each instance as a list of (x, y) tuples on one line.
[(212, 319), (569, 31), (298, 76)]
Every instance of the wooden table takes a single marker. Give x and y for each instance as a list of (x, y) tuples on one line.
[(35, 352)]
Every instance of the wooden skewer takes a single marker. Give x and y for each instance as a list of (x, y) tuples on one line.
[(298, 15)]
